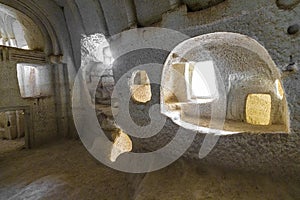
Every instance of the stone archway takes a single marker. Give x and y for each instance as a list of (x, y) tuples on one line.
[(49, 114)]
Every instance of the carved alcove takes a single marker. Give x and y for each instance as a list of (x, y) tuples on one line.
[(225, 77)]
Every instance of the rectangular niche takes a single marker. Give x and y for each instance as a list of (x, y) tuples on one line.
[(258, 109), (35, 81)]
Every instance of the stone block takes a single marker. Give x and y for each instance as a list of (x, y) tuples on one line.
[(258, 109)]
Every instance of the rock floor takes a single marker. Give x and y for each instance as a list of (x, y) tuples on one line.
[(65, 170)]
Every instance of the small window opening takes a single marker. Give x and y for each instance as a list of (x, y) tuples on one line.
[(140, 87), (35, 81), (201, 80)]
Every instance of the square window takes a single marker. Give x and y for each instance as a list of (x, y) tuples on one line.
[(35, 81)]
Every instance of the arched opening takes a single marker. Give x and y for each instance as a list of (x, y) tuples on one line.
[(19, 31), (98, 84), (140, 87), (11, 31), (199, 69), (27, 80)]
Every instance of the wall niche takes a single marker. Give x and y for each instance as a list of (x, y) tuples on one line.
[(226, 69)]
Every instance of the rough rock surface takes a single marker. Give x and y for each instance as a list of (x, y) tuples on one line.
[(65, 170)]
